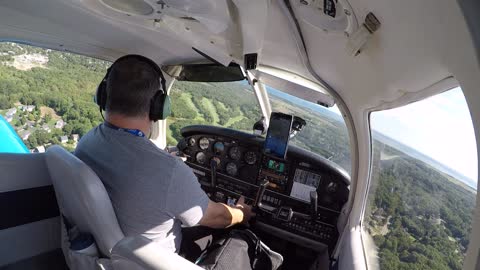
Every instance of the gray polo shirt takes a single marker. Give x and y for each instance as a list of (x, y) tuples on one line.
[(152, 192)]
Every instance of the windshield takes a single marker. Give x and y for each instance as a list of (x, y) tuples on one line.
[(227, 104), (325, 133)]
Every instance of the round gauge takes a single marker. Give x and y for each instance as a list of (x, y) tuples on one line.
[(218, 148), (201, 158), (250, 158), (232, 169), (235, 153), (203, 143), (191, 141)]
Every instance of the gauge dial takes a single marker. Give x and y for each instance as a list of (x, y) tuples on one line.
[(201, 158), (232, 169), (218, 148), (203, 143), (191, 141), (250, 158), (235, 153)]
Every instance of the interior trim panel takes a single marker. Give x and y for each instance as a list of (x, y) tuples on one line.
[(27, 205)]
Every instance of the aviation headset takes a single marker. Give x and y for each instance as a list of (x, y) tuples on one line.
[(160, 107)]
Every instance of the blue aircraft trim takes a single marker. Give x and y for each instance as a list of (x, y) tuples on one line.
[(9, 140)]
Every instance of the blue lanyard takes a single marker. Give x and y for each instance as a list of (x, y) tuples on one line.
[(135, 132)]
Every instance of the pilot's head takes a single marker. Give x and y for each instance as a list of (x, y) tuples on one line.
[(131, 85)]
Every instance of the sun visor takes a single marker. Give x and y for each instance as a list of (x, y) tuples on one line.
[(293, 85)]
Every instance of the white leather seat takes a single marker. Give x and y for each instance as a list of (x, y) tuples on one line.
[(83, 201)]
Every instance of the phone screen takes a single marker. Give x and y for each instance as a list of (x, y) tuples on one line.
[(278, 134)]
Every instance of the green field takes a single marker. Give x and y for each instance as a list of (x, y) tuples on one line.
[(229, 105)]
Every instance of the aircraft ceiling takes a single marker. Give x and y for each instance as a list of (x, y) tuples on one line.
[(419, 43)]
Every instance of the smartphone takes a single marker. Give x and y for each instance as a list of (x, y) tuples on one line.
[(278, 135)]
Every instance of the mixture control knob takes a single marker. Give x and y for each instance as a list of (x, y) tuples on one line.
[(332, 187)]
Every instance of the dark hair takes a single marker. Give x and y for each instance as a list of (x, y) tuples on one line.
[(131, 85)]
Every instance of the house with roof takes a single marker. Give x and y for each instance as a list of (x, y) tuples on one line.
[(11, 112), (25, 135), (30, 124), (46, 128), (39, 149), (63, 139), (9, 118), (60, 124), (28, 108), (75, 137)]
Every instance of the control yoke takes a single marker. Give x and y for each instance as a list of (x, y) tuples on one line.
[(214, 162)]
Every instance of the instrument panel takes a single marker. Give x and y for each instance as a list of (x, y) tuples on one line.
[(303, 194), (235, 159)]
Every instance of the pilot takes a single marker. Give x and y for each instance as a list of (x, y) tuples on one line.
[(153, 193)]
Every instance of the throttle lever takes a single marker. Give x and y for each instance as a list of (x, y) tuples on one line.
[(261, 190), (313, 204), (214, 162)]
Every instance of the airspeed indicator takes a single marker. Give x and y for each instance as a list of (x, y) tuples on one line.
[(204, 143)]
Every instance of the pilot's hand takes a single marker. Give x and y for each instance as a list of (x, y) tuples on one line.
[(246, 209)]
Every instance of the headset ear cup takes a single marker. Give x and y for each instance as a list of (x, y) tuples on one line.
[(160, 107), (101, 96)]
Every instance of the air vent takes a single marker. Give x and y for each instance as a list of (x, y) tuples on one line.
[(133, 7)]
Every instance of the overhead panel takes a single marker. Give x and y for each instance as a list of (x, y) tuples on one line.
[(205, 25)]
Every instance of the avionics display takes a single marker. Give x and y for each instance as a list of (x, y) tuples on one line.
[(276, 166), (303, 183), (278, 135)]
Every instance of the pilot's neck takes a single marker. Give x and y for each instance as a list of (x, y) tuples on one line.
[(129, 122)]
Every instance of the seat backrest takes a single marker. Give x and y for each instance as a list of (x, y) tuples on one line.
[(82, 198)]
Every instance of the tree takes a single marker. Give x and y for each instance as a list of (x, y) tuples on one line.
[(5, 103), (47, 117)]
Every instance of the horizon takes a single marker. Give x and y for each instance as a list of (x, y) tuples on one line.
[(439, 127), (406, 125)]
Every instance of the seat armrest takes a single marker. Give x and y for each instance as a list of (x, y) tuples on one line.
[(140, 253)]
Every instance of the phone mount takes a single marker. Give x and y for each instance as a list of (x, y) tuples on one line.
[(297, 125)]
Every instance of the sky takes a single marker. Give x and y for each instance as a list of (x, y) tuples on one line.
[(439, 127)]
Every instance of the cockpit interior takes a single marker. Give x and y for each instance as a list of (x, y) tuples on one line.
[(271, 100)]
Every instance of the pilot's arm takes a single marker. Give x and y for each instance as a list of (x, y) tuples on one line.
[(220, 215), (187, 202)]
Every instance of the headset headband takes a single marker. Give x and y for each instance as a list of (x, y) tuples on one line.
[(146, 60)]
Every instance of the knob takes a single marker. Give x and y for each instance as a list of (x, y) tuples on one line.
[(332, 187), (214, 162), (313, 204), (261, 190)]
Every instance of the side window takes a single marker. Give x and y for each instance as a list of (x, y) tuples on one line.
[(423, 186), (46, 97)]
